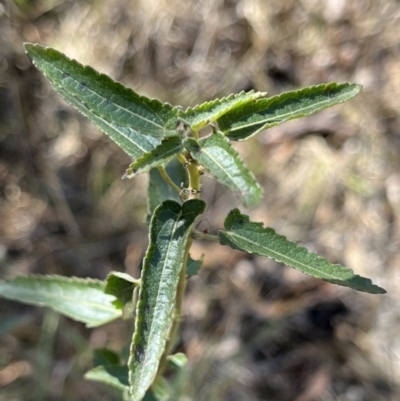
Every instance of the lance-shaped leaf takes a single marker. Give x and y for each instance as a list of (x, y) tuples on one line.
[(168, 148), (251, 118), (103, 97), (170, 228), (159, 191), (240, 233), (64, 294), (205, 113), (221, 159), (129, 140)]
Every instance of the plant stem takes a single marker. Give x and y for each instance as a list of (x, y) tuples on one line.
[(167, 179), (204, 236)]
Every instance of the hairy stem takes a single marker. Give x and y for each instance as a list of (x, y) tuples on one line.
[(205, 236)]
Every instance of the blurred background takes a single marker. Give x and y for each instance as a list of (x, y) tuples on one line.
[(253, 329)]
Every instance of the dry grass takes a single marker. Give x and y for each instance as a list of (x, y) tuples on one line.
[(253, 329)]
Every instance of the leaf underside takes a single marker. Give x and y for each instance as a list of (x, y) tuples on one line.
[(170, 227), (118, 111), (205, 113), (221, 159), (240, 233), (245, 121), (64, 294)]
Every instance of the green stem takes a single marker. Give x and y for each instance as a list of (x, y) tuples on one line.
[(167, 179)]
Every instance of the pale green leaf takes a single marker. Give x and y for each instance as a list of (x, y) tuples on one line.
[(64, 294), (170, 228), (240, 233), (223, 162), (161, 155), (178, 360), (159, 191), (112, 375), (103, 100), (161, 390), (251, 118), (205, 113)]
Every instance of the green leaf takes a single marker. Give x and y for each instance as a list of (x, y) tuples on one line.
[(218, 156), (247, 236), (121, 286), (178, 360), (103, 100), (251, 118), (80, 299), (170, 228), (131, 141), (111, 375), (205, 113), (105, 356), (160, 390), (159, 191), (168, 148), (125, 288), (194, 266)]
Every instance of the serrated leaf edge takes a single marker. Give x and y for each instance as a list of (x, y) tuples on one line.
[(129, 92), (239, 162), (287, 95), (279, 257)]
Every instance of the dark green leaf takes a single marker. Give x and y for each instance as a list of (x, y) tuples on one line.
[(63, 294), (193, 266), (219, 157), (159, 191), (251, 118), (105, 356), (125, 288), (121, 286), (170, 228), (111, 375), (205, 113), (168, 148), (107, 103), (247, 236)]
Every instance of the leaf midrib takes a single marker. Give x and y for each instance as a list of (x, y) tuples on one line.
[(105, 100), (111, 124), (159, 291), (245, 239), (70, 298), (271, 119)]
